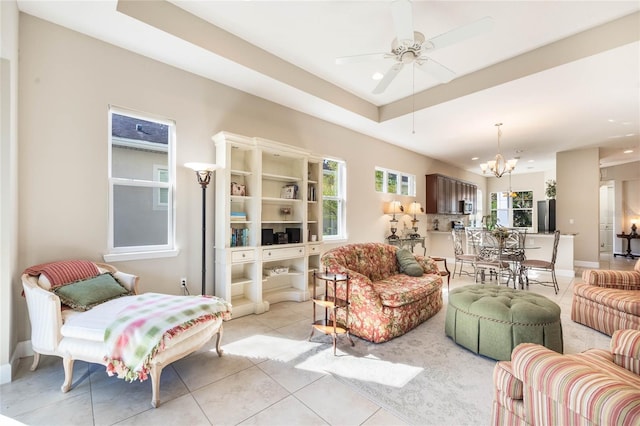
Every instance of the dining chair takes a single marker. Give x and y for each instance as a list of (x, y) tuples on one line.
[(543, 265), (491, 258), (514, 246), (460, 256)]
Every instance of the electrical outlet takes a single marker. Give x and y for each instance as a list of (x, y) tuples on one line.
[(183, 282)]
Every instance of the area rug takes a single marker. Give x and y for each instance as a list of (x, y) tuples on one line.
[(449, 377), (424, 378)]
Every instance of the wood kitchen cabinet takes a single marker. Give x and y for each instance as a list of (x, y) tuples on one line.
[(445, 193)]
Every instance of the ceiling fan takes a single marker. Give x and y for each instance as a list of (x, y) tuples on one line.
[(410, 46)]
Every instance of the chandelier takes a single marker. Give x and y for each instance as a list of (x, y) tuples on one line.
[(499, 166)]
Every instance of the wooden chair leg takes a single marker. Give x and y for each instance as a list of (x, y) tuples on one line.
[(156, 371), (219, 340), (67, 363), (36, 361)]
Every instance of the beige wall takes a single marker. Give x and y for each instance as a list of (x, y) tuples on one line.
[(67, 81), (9, 284), (626, 183), (577, 202)]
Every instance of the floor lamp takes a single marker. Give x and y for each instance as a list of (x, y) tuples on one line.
[(203, 172)]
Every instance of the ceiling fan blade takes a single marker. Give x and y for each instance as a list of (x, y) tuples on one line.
[(437, 70), (402, 19), (388, 78), (359, 58), (461, 33)]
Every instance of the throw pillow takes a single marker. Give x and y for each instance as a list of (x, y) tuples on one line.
[(428, 265), (408, 263), (84, 295)]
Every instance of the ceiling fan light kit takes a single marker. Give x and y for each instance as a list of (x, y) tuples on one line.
[(499, 166), (409, 46)]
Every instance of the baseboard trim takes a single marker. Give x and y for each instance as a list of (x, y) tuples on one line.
[(585, 264), (566, 273), (23, 350)]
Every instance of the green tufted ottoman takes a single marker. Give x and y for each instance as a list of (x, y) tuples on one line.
[(491, 320)]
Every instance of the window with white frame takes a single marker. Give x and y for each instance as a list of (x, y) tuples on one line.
[(333, 199), (512, 209), (141, 186), (394, 182)]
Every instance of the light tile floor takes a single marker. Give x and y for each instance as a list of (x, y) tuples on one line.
[(205, 389)]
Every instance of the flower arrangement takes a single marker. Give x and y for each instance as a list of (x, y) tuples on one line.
[(500, 232), (550, 192)]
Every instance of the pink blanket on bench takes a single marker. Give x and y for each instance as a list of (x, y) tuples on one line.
[(143, 328)]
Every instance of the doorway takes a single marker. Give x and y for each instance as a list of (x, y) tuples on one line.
[(607, 213)]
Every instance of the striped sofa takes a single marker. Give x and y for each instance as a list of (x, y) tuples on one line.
[(608, 300), (597, 387)]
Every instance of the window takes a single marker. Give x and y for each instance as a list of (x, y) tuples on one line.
[(513, 209), (393, 182), (333, 199), (141, 186), (160, 195)]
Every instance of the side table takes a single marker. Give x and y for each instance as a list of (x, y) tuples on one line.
[(444, 273), (412, 242), (331, 303), (628, 237)]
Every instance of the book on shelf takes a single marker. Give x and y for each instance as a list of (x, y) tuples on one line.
[(311, 194), (290, 192), (238, 216), (239, 237)]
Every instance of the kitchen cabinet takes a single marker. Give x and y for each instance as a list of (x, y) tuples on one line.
[(445, 193)]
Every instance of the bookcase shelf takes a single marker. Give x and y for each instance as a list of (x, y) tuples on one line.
[(268, 170)]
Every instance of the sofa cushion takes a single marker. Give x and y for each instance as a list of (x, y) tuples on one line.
[(601, 360), (90, 325), (623, 280), (408, 263), (429, 265), (85, 294), (376, 261), (399, 290), (621, 300), (625, 347)]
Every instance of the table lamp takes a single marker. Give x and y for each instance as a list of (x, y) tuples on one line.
[(414, 209), (393, 208)]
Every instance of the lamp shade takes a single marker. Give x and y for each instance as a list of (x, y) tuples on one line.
[(201, 167), (394, 207), (415, 208)]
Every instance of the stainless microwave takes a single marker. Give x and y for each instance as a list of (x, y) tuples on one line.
[(466, 207)]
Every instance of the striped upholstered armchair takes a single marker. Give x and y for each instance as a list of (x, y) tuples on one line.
[(596, 387), (608, 300)]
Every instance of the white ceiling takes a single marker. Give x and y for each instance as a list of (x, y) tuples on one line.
[(545, 70)]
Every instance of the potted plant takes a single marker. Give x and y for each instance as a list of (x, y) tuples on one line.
[(550, 192)]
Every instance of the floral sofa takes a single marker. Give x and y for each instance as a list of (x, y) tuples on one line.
[(384, 303), (608, 300), (595, 387)]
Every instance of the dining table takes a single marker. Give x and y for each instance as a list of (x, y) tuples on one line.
[(506, 253)]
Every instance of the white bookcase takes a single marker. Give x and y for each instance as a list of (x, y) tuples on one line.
[(280, 188)]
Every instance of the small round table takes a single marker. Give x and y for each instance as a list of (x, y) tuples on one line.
[(491, 320)]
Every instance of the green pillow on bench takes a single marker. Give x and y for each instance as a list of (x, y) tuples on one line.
[(84, 295), (408, 263)]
